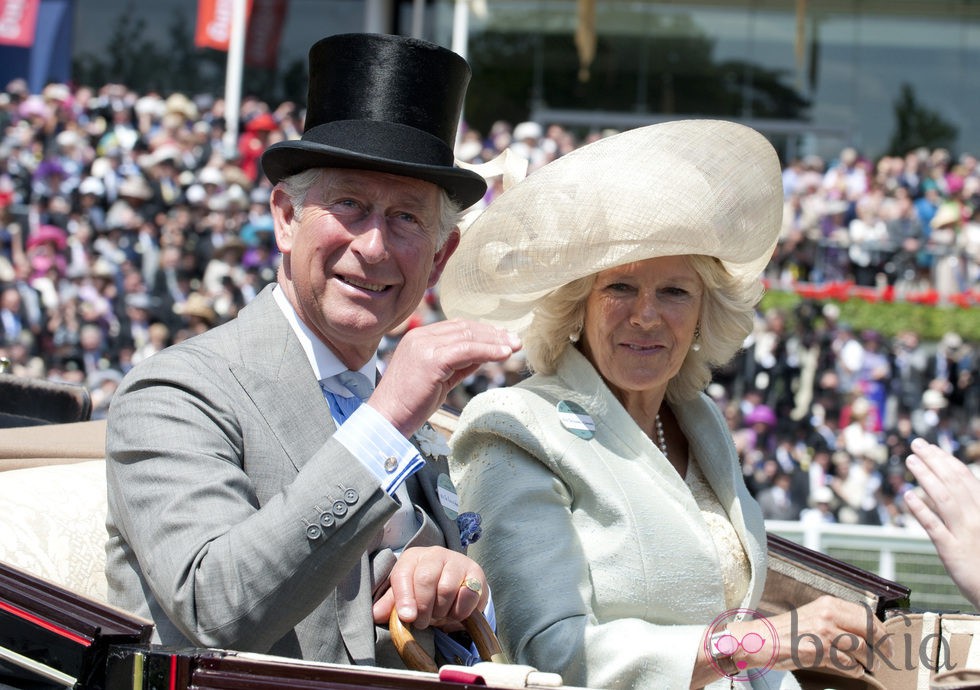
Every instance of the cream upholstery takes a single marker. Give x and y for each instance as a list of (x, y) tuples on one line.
[(51, 444), (53, 504)]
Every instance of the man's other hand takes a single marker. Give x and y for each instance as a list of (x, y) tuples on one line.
[(433, 586)]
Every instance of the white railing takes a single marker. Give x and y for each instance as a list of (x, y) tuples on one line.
[(901, 554), (825, 537)]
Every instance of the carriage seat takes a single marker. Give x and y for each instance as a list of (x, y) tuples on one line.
[(53, 503)]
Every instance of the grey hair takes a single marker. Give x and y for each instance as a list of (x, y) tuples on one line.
[(298, 186), (727, 312)]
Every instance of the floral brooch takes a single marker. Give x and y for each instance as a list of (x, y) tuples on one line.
[(430, 442)]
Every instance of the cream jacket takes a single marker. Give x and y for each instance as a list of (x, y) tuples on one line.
[(601, 564)]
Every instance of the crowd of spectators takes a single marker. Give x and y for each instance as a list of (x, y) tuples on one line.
[(128, 223)]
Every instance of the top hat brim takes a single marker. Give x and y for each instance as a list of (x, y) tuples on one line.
[(286, 158)]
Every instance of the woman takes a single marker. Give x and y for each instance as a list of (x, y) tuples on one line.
[(616, 528)]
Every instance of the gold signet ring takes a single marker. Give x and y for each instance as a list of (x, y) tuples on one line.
[(473, 584)]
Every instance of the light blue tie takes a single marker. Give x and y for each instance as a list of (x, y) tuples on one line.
[(358, 385)]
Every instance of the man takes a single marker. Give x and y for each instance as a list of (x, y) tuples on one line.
[(244, 512), (777, 501)]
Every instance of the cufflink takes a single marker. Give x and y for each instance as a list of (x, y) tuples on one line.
[(391, 464)]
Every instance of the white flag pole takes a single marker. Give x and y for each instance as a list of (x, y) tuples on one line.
[(418, 18), (233, 77), (460, 43), (461, 27)]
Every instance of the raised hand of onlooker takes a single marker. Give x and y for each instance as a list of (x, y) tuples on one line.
[(949, 511)]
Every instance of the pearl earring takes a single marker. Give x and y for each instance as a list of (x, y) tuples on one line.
[(697, 337)]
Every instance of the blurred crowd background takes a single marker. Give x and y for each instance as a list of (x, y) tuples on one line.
[(128, 223)]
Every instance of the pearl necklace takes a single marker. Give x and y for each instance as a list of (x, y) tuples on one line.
[(661, 437)]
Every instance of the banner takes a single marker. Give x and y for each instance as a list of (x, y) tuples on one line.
[(214, 23), (47, 58), (18, 20), (264, 31)]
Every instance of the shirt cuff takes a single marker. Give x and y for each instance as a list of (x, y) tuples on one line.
[(380, 447)]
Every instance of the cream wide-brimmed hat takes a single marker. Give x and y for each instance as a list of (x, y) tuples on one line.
[(705, 187)]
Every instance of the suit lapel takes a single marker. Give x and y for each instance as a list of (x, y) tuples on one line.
[(619, 432), (275, 362), (425, 488)]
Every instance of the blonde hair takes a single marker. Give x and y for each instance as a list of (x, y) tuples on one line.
[(727, 310), (556, 323)]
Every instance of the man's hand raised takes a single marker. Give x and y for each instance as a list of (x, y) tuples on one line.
[(429, 361)]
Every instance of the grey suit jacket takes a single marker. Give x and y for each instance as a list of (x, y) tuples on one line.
[(221, 460)]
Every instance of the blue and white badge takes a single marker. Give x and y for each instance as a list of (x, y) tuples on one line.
[(574, 418)]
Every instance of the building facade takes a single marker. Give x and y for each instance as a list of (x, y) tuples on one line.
[(814, 75)]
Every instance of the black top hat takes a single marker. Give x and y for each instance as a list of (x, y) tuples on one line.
[(384, 103)]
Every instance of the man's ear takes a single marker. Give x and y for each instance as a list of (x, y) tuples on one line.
[(283, 215), (442, 256)]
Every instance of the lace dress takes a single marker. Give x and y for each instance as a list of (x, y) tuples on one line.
[(735, 568)]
